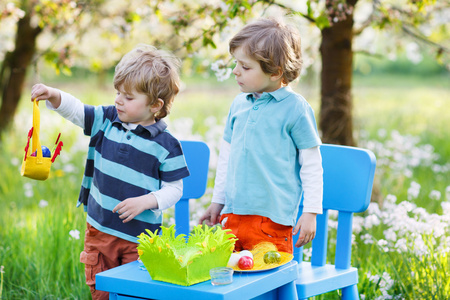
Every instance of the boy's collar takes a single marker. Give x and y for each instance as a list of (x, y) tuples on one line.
[(278, 95), (154, 129), (158, 127)]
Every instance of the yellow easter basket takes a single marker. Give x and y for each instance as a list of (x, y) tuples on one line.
[(34, 165)]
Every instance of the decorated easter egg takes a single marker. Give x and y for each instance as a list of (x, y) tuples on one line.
[(45, 152), (272, 257), (245, 263), (234, 259), (246, 253)]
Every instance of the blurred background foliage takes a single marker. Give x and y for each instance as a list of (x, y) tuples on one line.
[(94, 34)]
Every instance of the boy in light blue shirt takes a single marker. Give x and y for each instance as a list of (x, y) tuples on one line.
[(270, 154)]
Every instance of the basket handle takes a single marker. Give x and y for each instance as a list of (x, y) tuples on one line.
[(35, 142)]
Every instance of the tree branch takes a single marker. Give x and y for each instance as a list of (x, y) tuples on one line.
[(367, 53), (424, 39)]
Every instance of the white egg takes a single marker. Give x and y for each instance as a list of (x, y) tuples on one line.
[(246, 253), (234, 259)]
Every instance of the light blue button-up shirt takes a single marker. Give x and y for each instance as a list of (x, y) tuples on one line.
[(263, 170)]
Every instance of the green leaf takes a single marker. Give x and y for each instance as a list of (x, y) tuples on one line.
[(322, 22), (309, 12), (208, 41)]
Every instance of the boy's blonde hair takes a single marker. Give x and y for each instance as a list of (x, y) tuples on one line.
[(152, 72), (274, 45)]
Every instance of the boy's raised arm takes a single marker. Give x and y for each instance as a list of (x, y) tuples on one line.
[(42, 92)]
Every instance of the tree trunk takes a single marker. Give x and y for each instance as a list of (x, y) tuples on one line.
[(13, 73), (335, 119)]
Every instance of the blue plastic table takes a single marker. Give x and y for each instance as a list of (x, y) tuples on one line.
[(131, 282)]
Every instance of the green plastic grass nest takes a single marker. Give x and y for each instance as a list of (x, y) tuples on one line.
[(170, 259)]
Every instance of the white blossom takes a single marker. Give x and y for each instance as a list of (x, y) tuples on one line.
[(307, 253), (221, 70), (413, 53), (435, 195), (28, 190), (413, 190), (74, 234)]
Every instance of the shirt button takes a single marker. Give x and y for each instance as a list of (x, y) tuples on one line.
[(255, 107), (128, 137)]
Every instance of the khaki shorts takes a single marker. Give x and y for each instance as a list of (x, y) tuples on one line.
[(102, 252), (252, 229)]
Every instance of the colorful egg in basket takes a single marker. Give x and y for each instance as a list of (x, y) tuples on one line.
[(38, 160)]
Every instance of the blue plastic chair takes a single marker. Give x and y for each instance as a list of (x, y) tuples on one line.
[(196, 154), (348, 179)]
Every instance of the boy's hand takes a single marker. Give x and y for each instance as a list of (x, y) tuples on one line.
[(129, 208), (307, 226), (212, 214), (42, 92)]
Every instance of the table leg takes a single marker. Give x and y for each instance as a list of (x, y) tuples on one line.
[(287, 291)]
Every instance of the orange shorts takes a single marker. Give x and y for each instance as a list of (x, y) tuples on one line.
[(102, 252), (252, 229)]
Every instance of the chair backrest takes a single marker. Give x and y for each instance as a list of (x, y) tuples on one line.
[(196, 154), (348, 174)]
